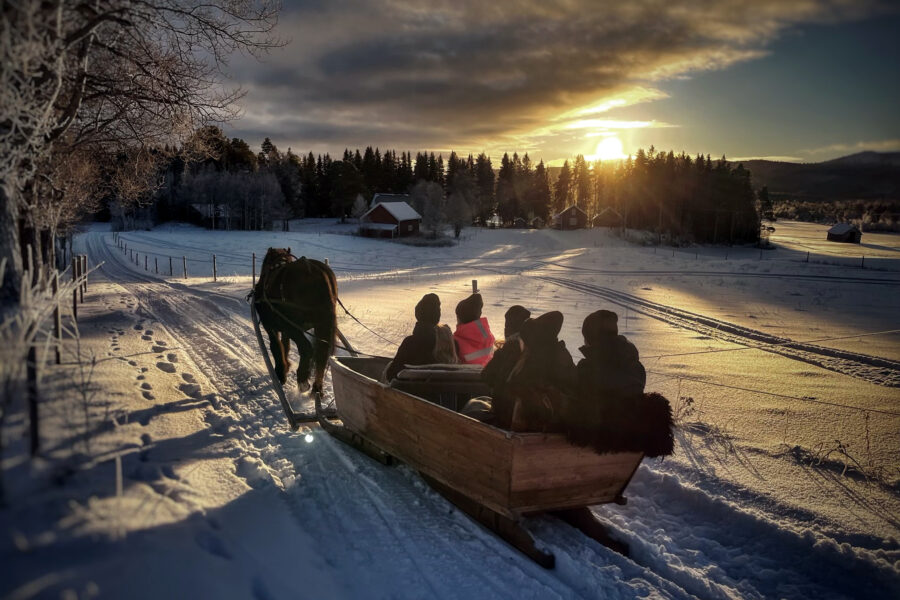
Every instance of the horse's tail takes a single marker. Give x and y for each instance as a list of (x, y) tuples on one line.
[(331, 280)]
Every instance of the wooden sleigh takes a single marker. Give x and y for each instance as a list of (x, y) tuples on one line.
[(497, 477)]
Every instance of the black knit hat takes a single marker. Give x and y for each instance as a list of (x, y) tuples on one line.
[(428, 310), (599, 325), (515, 316), (542, 330), (469, 309)]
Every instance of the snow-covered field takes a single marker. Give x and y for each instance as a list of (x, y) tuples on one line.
[(184, 480)]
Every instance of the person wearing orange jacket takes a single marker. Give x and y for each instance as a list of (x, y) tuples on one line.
[(474, 340)]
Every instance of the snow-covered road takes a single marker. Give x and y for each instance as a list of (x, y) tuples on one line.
[(316, 518)]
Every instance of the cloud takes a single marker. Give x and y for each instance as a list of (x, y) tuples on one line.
[(478, 75)]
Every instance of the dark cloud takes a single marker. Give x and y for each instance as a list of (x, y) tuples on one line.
[(475, 75)]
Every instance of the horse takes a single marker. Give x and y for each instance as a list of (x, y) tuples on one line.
[(292, 297)]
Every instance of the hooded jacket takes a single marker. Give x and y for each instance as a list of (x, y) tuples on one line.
[(611, 369), (474, 342)]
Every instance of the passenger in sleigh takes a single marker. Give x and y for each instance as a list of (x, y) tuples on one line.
[(532, 396), (507, 351), (429, 343), (610, 410), (473, 337)]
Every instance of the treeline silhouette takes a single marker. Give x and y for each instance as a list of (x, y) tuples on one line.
[(676, 196)]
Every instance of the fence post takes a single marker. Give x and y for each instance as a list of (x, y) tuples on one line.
[(326, 261), (254, 268), (807, 256), (74, 289), (31, 376), (474, 286), (863, 263), (82, 274), (156, 265), (57, 323), (145, 263), (170, 266), (184, 264), (215, 274)]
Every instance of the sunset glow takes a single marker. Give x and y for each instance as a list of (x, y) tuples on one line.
[(608, 149)]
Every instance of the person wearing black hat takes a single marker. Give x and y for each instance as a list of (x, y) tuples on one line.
[(418, 348), (610, 411), (474, 340), (611, 367), (532, 395)]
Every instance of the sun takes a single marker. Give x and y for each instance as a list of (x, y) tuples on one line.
[(609, 149)]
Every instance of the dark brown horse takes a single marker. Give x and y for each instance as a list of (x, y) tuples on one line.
[(293, 297)]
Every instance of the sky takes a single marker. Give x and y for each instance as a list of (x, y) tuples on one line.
[(802, 80)]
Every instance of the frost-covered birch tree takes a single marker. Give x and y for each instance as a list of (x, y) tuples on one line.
[(113, 75)]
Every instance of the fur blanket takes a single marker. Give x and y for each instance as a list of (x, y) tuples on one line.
[(641, 424)]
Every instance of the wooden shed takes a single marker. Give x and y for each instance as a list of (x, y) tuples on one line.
[(608, 217), (390, 219), (845, 232), (571, 218)]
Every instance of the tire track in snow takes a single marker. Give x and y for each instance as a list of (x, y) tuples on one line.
[(874, 369)]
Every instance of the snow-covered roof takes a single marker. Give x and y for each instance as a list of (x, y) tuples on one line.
[(567, 208), (842, 228), (381, 197), (606, 210), (399, 210), (378, 226)]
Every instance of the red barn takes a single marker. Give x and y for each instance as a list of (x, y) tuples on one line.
[(390, 219)]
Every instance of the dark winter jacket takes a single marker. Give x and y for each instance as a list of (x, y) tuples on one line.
[(610, 411), (540, 383), (416, 349), (611, 368), (496, 372)]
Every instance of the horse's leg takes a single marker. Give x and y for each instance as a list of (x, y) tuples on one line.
[(324, 344), (278, 356), (305, 350)]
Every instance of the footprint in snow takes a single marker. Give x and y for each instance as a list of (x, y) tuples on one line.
[(157, 348), (148, 396), (148, 332), (188, 377), (172, 357), (160, 343), (133, 363), (213, 544), (146, 386), (166, 367), (138, 327), (146, 338), (190, 389)]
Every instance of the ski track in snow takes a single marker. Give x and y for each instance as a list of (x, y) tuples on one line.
[(877, 370), (384, 529)]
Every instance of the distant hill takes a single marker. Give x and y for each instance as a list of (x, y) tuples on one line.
[(863, 176)]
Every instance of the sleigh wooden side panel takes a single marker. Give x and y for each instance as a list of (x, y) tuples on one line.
[(510, 473)]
